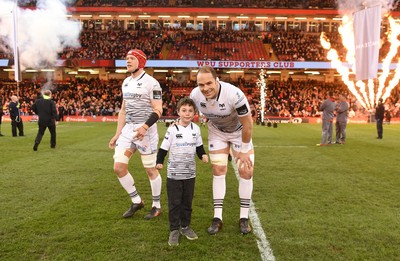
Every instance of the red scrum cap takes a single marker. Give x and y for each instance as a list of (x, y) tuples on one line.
[(140, 55)]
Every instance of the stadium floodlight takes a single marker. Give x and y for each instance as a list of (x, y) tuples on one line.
[(124, 16)]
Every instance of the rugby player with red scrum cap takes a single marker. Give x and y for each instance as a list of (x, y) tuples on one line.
[(137, 131)]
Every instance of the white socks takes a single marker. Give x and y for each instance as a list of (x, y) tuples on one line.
[(245, 191), (128, 184), (219, 189), (156, 191)]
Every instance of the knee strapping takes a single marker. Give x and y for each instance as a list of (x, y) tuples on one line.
[(219, 159), (122, 155), (149, 161)]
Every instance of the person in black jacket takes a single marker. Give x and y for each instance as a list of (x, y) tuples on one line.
[(379, 115), (45, 108), (16, 120)]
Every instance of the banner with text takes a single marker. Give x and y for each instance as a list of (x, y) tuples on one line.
[(367, 24)]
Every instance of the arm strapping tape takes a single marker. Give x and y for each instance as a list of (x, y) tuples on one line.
[(152, 119)]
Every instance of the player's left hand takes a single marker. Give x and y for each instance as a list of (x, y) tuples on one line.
[(243, 161)]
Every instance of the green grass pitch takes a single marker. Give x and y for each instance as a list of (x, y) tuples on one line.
[(340, 202)]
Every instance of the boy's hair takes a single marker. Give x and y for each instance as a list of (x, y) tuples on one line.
[(185, 101)]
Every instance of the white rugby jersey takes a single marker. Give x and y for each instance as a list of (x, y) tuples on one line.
[(137, 93), (181, 142), (224, 111)]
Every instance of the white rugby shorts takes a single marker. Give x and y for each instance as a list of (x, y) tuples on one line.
[(148, 145), (218, 140)]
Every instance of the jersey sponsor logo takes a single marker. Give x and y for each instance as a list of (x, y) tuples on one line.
[(132, 95), (186, 144), (203, 104), (211, 115), (242, 110), (157, 95)]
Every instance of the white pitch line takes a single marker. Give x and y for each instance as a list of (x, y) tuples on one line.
[(282, 146), (263, 245)]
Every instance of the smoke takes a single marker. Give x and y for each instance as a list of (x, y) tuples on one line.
[(347, 7), (42, 32)]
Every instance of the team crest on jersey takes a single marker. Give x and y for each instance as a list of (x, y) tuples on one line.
[(202, 104), (139, 84), (179, 136), (222, 107), (193, 134)]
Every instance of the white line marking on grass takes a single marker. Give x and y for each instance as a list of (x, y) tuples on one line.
[(281, 146), (263, 245)]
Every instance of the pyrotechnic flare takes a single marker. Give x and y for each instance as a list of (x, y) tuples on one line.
[(261, 84), (365, 91)]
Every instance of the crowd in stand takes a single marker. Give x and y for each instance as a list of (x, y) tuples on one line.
[(95, 97), (298, 4), (110, 44)]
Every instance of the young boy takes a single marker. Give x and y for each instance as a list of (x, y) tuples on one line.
[(183, 140)]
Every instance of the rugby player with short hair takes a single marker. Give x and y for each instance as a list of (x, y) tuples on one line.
[(230, 127), (137, 131)]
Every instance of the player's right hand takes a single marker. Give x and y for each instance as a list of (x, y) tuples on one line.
[(112, 142)]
